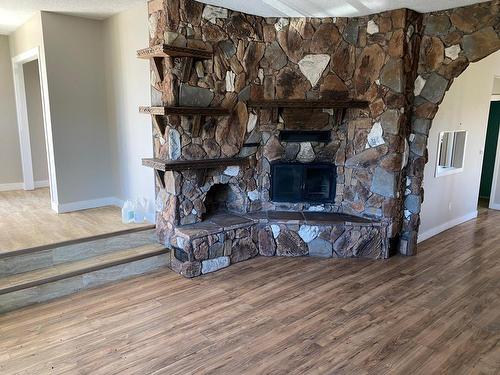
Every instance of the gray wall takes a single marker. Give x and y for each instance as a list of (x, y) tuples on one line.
[(10, 154), (35, 120), (452, 199), (76, 83)]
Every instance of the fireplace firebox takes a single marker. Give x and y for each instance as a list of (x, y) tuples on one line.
[(303, 183)]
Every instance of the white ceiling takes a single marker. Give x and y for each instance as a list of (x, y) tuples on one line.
[(334, 8), (14, 13)]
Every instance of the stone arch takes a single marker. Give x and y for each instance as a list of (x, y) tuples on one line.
[(223, 197), (224, 188), (451, 40)]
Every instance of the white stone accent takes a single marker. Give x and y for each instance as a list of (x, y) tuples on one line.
[(453, 51), (261, 76), (308, 232), (313, 66), (375, 137), (211, 13), (419, 85), (276, 230), (372, 27), (232, 170), (161, 198), (180, 242), (174, 144), (253, 195), (306, 153), (230, 77), (252, 122), (411, 137), (200, 70), (153, 24), (406, 157), (281, 24), (212, 265), (410, 32), (316, 208)]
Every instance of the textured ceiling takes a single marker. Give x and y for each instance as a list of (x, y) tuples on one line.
[(14, 13), (334, 8)]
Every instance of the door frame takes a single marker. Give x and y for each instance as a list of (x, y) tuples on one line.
[(23, 124), (496, 171)]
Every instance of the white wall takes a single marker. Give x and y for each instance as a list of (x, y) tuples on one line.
[(496, 86), (127, 87), (76, 83), (35, 121), (450, 200), (10, 155), (27, 37)]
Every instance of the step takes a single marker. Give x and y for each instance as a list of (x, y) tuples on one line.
[(26, 260), (44, 284)]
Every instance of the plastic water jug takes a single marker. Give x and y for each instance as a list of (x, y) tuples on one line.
[(127, 212)]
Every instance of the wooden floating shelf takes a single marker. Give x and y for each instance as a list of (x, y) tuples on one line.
[(308, 104), (184, 165), (186, 111), (166, 50)]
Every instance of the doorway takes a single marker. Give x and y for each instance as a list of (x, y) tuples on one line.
[(35, 124), (33, 117), (489, 194)]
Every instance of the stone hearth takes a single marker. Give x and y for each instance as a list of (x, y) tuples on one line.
[(235, 94), (227, 238)]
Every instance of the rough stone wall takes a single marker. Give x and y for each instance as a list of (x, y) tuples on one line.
[(387, 59), (451, 40), (362, 58)]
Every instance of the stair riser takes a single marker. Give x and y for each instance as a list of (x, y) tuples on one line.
[(46, 292), (50, 257)]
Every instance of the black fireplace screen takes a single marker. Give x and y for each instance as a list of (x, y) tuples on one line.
[(297, 182)]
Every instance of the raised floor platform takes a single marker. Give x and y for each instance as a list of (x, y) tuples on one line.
[(227, 238)]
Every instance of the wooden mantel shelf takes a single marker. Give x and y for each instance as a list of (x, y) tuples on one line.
[(166, 50), (308, 104), (186, 111), (184, 165)]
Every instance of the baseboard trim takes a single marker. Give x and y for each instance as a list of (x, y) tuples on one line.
[(41, 184), (20, 185), (12, 186), (448, 225), (85, 205)]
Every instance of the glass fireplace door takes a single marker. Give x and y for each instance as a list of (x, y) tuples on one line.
[(297, 182)]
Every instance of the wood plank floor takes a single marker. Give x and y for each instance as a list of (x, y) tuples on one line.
[(436, 313), (26, 220)]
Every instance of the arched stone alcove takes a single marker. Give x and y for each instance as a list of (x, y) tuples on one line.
[(451, 40)]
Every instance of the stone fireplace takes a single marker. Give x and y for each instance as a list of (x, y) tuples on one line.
[(288, 137)]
